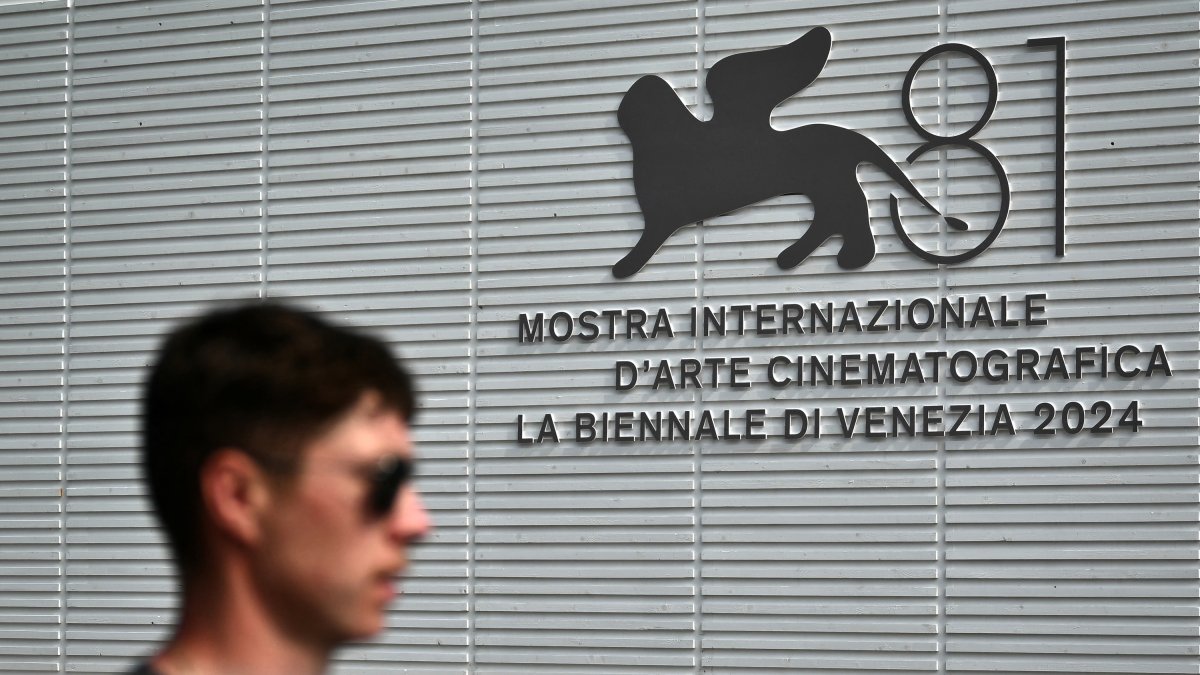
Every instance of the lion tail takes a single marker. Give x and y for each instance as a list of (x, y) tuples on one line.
[(879, 158)]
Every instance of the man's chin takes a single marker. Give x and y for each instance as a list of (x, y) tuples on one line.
[(364, 630), (371, 617), (370, 625)]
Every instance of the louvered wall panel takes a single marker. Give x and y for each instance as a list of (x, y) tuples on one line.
[(436, 169), (584, 554), (1072, 553), (33, 113), (166, 216), (369, 151), (819, 554)]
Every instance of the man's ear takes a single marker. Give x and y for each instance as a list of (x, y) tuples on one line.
[(235, 493)]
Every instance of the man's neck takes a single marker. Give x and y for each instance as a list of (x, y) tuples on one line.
[(225, 628)]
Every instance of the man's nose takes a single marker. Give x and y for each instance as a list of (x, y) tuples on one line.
[(409, 519)]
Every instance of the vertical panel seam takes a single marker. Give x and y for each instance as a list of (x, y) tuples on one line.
[(698, 466), (472, 355), (64, 438), (264, 183), (943, 340)]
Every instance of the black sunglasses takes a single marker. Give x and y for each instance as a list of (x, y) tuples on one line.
[(386, 480)]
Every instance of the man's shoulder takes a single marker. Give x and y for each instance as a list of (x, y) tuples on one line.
[(143, 669)]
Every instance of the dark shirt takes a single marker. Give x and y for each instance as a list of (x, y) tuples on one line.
[(144, 669)]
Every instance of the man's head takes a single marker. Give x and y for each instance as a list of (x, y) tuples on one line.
[(276, 438)]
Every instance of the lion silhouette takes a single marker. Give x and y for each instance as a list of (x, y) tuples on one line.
[(686, 170)]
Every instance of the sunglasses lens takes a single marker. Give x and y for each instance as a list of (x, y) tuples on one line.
[(386, 484)]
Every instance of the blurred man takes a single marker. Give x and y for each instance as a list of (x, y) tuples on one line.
[(278, 455)]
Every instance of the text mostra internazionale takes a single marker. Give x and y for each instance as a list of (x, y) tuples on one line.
[(872, 316)]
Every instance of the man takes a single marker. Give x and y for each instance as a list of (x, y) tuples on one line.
[(277, 451)]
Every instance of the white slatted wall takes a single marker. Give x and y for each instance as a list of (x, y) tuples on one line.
[(433, 169), (166, 198), (33, 159), (1079, 556), (585, 555)]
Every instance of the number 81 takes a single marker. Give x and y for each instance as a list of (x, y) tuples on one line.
[(965, 139)]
